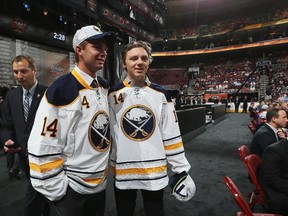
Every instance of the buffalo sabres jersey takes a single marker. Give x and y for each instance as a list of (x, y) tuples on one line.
[(70, 139), (145, 134)]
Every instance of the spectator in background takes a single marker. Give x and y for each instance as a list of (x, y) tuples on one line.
[(282, 98), (245, 104), (252, 110), (261, 120), (19, 112), (237, 102), (267, 134), (215, 100), (269, 92), (264, 108), (224, 101)]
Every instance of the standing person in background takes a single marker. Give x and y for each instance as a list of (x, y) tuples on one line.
[(19, 111), (69, 144), (146, 135), (237, 103), (245, 104)]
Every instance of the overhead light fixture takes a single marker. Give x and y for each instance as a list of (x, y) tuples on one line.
[(65, 22), (26, 6), (45, 12)]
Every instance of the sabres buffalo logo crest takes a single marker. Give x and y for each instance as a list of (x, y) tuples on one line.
[(138, 122), (99, 131)]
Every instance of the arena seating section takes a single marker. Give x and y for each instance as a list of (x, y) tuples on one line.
[(224, 25), (227, 76), (172, 78)]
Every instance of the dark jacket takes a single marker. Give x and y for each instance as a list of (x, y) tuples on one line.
[(14, 126), (264, 137), (273, 176)]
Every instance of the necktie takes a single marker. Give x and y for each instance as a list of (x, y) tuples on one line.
[(94, 84), (26, 105)]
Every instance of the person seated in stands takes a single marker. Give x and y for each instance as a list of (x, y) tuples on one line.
[(203, 101), (282, 98), (276, 105), (273, 176), (264, 108), (259, 110), (267, 133), (261, 120), (215, 100), (224, 101), (284, 105), (252, 110)]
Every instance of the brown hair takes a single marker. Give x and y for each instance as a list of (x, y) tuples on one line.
[(31, 62), (135, 44), (274, 112)]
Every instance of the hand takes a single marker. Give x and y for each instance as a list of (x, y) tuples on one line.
[(281, 134), (10, 148)]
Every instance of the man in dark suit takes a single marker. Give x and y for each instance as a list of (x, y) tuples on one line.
[(273, 176), (245, 104), (19, 112), (268, 133), (237, 102)]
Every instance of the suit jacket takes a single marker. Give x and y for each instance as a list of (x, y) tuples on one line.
[(237, 101), (264, 137), (273, 175), (14, 126)]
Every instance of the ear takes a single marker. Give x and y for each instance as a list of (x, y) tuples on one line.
[(124, 65), (78, 50)]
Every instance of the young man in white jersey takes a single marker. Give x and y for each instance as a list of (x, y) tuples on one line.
[(70, 141), (146, 136)]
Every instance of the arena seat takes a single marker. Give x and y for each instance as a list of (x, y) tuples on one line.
[(241, 202), (252, 163), (243, 151), (168, 77)]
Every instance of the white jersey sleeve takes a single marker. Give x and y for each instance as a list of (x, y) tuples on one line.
[(173, 144), (70, 139), (53, 128)]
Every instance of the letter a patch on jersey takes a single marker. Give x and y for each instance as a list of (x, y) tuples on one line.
[(138, 122)]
